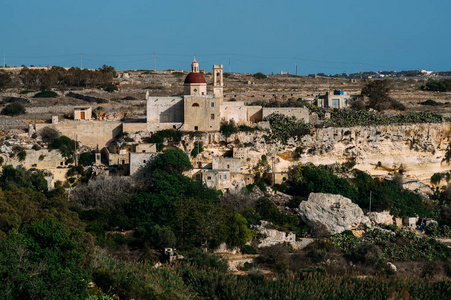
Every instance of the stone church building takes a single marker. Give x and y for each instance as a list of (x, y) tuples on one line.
[(198, 111)]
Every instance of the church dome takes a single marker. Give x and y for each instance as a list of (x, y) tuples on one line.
[(194, 77)]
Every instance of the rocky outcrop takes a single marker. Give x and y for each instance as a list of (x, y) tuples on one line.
[(332, 213), (274, 236), (381, 218)]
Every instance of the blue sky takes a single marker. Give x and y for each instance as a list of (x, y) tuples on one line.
[(260, 36)]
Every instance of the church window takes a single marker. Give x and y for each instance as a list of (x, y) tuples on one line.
[(195, 105)]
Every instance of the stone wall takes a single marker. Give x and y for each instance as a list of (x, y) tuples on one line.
[(225, 163), (39, 159), (89, 133), (300, 113), (165, 110), (138, 161), (236, 111)]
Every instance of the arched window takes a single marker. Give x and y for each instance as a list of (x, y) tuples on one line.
[(195, 105)]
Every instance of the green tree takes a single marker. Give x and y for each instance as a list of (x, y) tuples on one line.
[(228, 128), (45, 260), (171, 160), (21, 178), (14, 109), (238, 231), (86, 159), (5, 80), (378, 92), (260, 75)]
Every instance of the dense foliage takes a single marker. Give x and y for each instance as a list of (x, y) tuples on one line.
[(5, 80), (44, 260), (181, 281), (14, 109), (58, 77), (350, 118), (228, 128), (385, 194), (283, 127), (57, 141), (378, 93), (437, 85), (46, 94), (394, 244), (44, 252)]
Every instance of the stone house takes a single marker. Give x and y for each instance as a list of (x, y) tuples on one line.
[(82, 113)]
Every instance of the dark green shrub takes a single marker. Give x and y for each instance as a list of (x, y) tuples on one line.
[(25, 92), (208, 260), (198, 148), (247, 249), (438, 85), (14, 109), (86, 159), (46, 94), (169, 134), (111, 88), (228, 128), (260, 75), (64, 144), (436, 178), (430, 103), (22, 155)]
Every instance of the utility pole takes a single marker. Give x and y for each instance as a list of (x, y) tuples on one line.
[(360, 70), (229, 62), (75, 152), (295, 67), (154, 62), (274, 169), (81, 61)]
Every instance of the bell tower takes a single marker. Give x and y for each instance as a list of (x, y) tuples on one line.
[(195, 66), (218, 81)]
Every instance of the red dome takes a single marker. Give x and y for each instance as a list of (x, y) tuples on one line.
[(195, 78)]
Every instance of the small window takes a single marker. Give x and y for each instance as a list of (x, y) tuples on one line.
[(225, 176), (144, 161), (212, 104), (228, 166), (144, 151), (209, 178), (212, 116), (220, 177), (123, 161), (196, 128), (195, 105), (62, 163)]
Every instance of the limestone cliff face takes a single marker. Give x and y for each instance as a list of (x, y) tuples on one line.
[(418, 143), (418, 148)]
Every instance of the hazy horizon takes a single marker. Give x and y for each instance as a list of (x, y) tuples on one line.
[(266, 36)]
